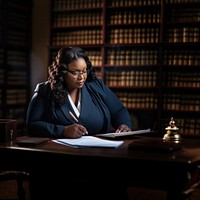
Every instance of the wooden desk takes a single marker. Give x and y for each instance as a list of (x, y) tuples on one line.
[(174, 172)]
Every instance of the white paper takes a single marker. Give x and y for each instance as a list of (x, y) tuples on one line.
[(89, 141), (113, 135)]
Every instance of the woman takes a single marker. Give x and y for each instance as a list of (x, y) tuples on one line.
[(74, 102)]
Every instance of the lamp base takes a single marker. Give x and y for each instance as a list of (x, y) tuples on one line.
[(172, 137)]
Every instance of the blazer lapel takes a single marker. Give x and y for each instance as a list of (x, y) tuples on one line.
[(86, 101), (65, 108)]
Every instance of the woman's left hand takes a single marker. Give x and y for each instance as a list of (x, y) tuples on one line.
[(123, 128)]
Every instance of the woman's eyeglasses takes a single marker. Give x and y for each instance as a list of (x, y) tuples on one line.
[(76, 74)]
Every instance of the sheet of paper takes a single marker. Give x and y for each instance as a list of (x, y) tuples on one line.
[(89, 141), (122, 134)]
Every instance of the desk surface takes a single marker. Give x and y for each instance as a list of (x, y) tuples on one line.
[(188, 155), (175, 171)]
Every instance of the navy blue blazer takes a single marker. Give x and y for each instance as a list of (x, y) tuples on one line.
[(100, 110)]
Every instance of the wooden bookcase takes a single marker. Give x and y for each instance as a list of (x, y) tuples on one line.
[(15, 44), (181, 65), (147, 52)]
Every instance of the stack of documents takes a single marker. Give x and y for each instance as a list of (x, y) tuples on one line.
[(89, 141), (123, 134)]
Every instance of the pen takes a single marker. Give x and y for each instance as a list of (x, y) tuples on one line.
[(72, 115), (75, 119)]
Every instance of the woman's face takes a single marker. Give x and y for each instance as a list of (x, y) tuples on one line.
[(76, 74)]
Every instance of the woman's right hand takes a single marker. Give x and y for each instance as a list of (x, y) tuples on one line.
[(74, 131)]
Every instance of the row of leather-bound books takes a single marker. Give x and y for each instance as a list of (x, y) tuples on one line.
[(184, 34), (138, 100), (62, 4), (170, 102), (186, 102), (131, 78), (96, 18)]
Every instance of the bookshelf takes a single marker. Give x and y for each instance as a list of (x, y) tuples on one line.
[(146, 51), (15, 45), (181, 65)]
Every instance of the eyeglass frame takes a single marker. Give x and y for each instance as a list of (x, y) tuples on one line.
[(76, 74)]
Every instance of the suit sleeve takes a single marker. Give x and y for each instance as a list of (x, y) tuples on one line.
[(38, 119), (119, 113)]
